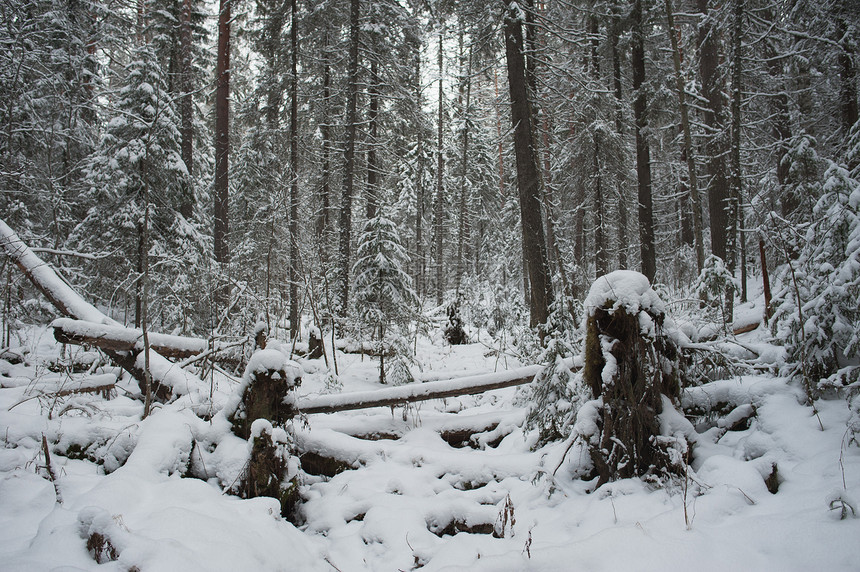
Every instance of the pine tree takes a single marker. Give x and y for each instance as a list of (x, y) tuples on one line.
[(382, 286), (817, 316), (138, 155)]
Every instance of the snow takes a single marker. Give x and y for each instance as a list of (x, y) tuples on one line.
[(412, 499), (626, 289)]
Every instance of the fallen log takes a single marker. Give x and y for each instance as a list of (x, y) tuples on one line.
[(418, 391), (747, 328), (119, 338), (169, 378)]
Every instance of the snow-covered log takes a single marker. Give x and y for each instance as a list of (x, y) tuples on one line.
[(171, 378), (418, 391), (120, 338)]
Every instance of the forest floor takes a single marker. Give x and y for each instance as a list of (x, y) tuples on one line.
[(416, 500)]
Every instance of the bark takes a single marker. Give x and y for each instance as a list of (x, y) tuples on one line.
[(186, 111), (736, 181), (848, 79), (765, 278), (324, 221), (294, 173), (718, 192), (439, 213), (116, 338), (601, 258), (372, 163), (782, 116), (222, 148), (687, 151), (419, 188), (614, 34), (643, 151), (528, 173), (349, 156), (464, 226)]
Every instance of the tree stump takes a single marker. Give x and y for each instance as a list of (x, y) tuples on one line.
[(259, 410), (315, 344), (630, 364), (265, 392)]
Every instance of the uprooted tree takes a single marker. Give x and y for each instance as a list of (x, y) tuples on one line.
[(631, 366)]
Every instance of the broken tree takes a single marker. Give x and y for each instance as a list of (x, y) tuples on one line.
[(169, 378), (631, 366), (259, 411)]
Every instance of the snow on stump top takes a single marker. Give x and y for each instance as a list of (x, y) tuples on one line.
[(625, 289), (265, 392), (629, 365)]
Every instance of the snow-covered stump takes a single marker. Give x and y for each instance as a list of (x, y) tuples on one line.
[(259, 410), (630, 364)]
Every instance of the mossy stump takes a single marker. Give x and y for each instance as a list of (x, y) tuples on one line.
[(266, 395), (263, 406), (630, 364), (268, 472)]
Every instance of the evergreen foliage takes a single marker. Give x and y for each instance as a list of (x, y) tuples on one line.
[(817, 314)]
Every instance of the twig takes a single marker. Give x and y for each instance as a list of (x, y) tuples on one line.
[(50, 468)]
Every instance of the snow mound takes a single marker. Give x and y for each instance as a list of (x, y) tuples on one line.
[(626, 289)]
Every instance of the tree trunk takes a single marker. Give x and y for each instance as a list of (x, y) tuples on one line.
[(601, 258), (186, 112), (324, 221), (294, 173), (349, 169), (718, 193), (464, 226), (687, 151), (419, 186), (440, 187), (528, 173), (614, 34), (372, 165), (222, 149), (736, 180), (847, 76), (643, 151)]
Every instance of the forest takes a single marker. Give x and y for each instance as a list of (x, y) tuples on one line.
[(400, 284)]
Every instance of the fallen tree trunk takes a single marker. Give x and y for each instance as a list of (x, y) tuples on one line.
[(171, 379), (418, 391), (119, 338)]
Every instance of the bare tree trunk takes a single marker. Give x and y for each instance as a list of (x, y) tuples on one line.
[(144, 280), (440, 186), (718, 193), (736, 180), (615, 32), (372, 166), (294, 173), (847, 75), (601, 258), (687, 153), (419, 187), (222, 149), (349, 170), (464, 226), (528, 173), (643, 152), (186, 112), (324, 221)]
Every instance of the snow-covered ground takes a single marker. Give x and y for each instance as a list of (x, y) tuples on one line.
[(415, 500)]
